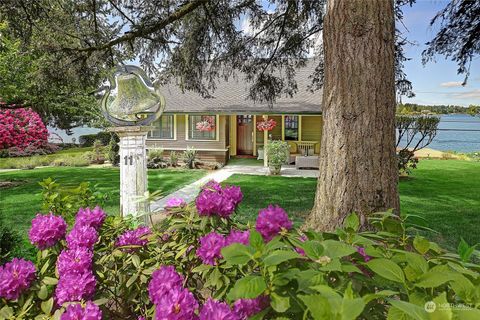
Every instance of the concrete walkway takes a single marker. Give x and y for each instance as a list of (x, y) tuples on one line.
[(190, 192)]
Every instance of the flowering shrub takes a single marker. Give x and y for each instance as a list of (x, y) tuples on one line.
[(22, 128), (213, 309), (208, 266), (171, 299), (47, 230), (272, 221), (266, 125), (175, 203), (210, 248), (15, 277), (215, 200), (133, 239), (76, 311)]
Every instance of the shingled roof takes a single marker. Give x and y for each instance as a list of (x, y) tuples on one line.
[(231, 97)]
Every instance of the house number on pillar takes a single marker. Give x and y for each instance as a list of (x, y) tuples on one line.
[(126, 160)]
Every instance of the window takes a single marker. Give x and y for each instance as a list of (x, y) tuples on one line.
[(291, 128), (164, 128), (244, 119), (202, 127)]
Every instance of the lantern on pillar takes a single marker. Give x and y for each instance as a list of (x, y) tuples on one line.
[(131, 102)]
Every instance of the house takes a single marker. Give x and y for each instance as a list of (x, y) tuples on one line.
[(225, 125)]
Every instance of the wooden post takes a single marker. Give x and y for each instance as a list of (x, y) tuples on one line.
[(254, 135), (265, 142)]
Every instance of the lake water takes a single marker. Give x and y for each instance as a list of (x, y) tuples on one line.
[(76, 133), (454, 139)]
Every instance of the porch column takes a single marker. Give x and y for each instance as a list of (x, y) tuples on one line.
[(265, 142)]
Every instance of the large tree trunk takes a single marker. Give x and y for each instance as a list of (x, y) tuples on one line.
[(358, 169)]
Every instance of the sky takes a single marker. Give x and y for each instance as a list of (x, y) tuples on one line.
[(436, 82)]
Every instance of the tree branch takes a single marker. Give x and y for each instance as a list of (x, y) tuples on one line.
[(143, 33), (280, 36), (121, 12)]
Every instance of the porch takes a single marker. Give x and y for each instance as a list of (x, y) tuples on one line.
[(302, 132)]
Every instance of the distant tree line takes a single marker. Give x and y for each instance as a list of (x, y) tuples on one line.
[(413, 108)]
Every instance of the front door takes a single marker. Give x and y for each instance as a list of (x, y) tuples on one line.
[(245, 135)]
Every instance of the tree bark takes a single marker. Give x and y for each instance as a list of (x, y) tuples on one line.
[(358, 168)]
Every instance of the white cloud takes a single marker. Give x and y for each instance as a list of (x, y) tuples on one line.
[(451, 84), (472, 94)]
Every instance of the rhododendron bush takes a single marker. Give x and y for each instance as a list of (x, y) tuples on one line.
[(200, 263), (22, 128)]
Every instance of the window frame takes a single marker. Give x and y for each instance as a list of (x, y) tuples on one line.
[(217, 127), (174, 130)]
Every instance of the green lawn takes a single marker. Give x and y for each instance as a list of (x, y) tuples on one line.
[(295, 195), (445, 192), (19, 204), (6, 163)]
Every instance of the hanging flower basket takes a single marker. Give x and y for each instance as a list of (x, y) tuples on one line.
[(266, 125), (207, 124)]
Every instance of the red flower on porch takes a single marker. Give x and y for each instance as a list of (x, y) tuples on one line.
[(266, 125), (207, 124)]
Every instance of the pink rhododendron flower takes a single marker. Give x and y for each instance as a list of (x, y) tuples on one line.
[(216, 310), (213, 200), (78, 260), (75, 287), (209, 202), (82, 236), (47, 230), (245, 308), (176, 304), (212, 185), (361, 251), (302, 238), (137, 237), (163, 280), (175, 203), (91, 218), (237, 236), (271, 221), (210, 248), (77, 312), (234, 193), (16, 277)]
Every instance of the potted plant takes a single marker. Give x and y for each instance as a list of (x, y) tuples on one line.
[(266, 125), (277, 152)]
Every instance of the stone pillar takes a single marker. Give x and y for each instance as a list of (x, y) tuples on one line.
[(133, 170)]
